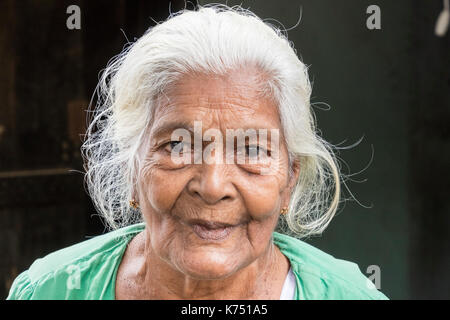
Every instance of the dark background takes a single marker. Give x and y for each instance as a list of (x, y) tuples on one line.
[(389, 86)]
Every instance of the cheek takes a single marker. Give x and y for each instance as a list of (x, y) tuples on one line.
[(160, 188), (263, 193), (261, 196)]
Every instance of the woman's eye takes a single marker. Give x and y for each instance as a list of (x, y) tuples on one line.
[(255, 151), (177, 146), (173, 144), (252, 151)]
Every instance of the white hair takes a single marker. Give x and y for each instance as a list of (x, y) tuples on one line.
[(212, 40)]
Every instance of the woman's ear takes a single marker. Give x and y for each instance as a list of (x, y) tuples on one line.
[(293, 177), (295, 173), (135, 194), (134, 201)]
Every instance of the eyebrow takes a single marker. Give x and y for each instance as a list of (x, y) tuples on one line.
[(169, 127)]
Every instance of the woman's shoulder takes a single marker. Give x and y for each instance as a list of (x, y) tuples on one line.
[(321, 276), (82, 271)]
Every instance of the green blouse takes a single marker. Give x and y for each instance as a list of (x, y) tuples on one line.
[(88, 270)]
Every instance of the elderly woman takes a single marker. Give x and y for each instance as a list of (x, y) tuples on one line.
[(202, 144)]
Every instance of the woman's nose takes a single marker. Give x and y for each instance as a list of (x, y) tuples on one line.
[(213, 183)]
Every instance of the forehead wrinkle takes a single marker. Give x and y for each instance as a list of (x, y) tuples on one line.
[(216, 93), (208, 102), (229, 104), (220, 101), (232, 117), (208, 114)]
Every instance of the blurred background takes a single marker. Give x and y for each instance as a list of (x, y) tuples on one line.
[(389, 86)]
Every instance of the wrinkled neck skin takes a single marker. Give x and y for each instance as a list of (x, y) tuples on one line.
[(144, 275)]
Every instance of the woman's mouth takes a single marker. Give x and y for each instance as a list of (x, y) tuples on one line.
[(207, 230)]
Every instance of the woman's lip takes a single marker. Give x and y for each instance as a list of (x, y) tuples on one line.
[(212, 230), (207, 233), (209, 224)]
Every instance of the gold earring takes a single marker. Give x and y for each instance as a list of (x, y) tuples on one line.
[(134, 204), (284, 210)]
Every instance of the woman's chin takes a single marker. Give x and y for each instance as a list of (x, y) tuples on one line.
[(208, 265)]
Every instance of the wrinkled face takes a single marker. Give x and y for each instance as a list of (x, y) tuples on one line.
[(209, 219)]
